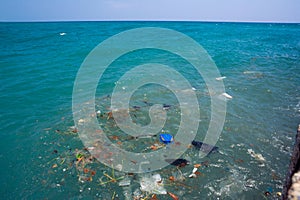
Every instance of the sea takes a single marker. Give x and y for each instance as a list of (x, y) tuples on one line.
[(43, 157)]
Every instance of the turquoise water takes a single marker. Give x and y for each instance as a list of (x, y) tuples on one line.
[(38, 68)]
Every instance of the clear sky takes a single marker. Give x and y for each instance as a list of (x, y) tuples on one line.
[(187, 10)]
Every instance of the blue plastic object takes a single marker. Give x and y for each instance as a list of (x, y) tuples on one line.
[(166, 138), (270, 189)]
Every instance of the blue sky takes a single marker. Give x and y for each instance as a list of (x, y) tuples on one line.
[(188, 10)]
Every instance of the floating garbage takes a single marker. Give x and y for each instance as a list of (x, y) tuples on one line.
[(54, 166), (81, 121), (192, 175), (267, 193), (166, 138), (226, 95), (220, 78), (278, 194), (156, 146), (125, 182), (153, 184), (136, 107), (257, 156), (173, 196), (166, 107), (197, 165), (110, 178), (178, 162), (250, 183), (172, 178), (137, 194), (195, 170)]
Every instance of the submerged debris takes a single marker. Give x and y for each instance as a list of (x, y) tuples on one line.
[(178, 162), (207, 148)]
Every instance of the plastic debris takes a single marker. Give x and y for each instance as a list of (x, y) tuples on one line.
[(278, 194), (54, 165), (125, 182), (137, 194), (270, 189), (81, 121), (194, 172), (119, 167), (250, 183), (155, 146), (226, 95), (166, 107), (192, 175), (178, 162), (75, 162), (93, 173), (195, 169), (220, 78), (111, 178), (72, 129), (267, 193), (153, 184), (173, 196), (197, 165), (166, 138), (128, 194), (79, 155), (257, 156)]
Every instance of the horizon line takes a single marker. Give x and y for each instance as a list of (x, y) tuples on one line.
[(145, 20)]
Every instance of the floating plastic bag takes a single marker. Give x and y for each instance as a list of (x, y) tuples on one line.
[(166, 138), (153, 184)]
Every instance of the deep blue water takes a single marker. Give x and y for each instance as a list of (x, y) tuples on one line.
[(38, 67)]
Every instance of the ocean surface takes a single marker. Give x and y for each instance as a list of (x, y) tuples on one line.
[(40, 148)]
